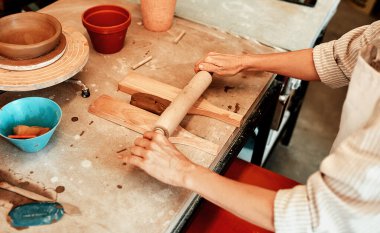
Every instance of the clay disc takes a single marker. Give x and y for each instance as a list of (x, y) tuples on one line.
[(74, 58), (35, 63)]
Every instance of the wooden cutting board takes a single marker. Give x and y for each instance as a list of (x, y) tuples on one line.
[(135, 82), (139, 120)]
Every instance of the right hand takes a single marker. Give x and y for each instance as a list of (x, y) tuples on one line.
[(222, 64), (154, 154)]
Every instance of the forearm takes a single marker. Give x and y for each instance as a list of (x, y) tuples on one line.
[(297, 64), (249, 202)]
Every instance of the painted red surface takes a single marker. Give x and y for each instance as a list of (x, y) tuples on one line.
[(211, 218)]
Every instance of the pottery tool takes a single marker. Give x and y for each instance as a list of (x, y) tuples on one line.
[(177, 110), (176, 40), (68, 208), (142, 62), (46, 211), (140, 121), (74, 58), (135, 83)]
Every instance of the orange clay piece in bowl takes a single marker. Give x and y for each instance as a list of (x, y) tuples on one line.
[(29, 130)]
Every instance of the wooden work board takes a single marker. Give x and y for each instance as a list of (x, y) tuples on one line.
[(83, 154)]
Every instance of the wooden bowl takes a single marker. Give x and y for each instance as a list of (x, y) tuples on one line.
[(28, 35)]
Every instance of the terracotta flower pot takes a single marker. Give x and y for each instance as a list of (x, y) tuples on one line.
[(107, 27), (158, 14)]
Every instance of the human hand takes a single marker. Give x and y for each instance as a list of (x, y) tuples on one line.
[(222, 64), (158, 157)]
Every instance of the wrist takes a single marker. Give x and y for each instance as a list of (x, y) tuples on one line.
[(192, 177), (248, 62)]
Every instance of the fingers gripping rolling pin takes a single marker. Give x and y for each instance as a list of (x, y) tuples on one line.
[(177, 110)]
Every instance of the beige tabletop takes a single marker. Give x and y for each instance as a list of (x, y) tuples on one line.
[(82, 155)]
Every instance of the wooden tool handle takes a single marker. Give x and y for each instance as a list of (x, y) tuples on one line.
[(24, 192), (177, 110)]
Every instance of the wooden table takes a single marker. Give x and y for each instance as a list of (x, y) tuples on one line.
[(83, 155)]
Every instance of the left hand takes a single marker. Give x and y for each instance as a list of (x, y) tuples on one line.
[(222, 64), (158, 157)]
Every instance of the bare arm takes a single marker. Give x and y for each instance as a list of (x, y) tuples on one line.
[(159, 158), (298, 64)]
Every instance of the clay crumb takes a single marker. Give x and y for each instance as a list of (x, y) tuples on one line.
[(23, 184), (227, 88), (125, 164), (119, 186), (229, 107), (237, 107), (60, 189), (90, 122), (74, 119), (81, 134), (122, 150)]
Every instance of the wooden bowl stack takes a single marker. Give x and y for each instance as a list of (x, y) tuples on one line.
[(28, 35)]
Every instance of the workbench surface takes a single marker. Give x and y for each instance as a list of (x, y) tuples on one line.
[(83, 155), (278, 23)]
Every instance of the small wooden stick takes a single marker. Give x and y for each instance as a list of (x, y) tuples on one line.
[(179, 37), (24, 192), (141, 63)]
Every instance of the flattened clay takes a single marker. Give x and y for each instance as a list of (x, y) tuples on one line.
[(150, 103)]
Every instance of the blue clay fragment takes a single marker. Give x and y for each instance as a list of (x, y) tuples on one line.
[(35, 214)]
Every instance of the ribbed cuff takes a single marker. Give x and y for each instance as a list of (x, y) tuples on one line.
[(291, 211), (327, 67)]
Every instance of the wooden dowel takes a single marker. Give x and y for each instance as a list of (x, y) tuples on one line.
[(179, 37), (142, 62)]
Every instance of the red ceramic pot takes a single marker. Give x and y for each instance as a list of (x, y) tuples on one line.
[(107, 26)]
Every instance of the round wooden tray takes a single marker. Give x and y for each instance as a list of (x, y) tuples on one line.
[(73, 60), (35, 63)]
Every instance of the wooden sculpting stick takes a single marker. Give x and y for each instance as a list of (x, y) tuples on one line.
[(139, 120), (177, 110), (68, 208), (134, 83)]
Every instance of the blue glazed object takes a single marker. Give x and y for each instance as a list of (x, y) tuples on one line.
[(30, 111), (35, 214)]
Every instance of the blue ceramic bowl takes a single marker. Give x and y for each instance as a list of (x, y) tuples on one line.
[(31, 111)]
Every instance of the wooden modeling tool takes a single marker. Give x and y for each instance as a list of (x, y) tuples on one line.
[(135, 83), (177, 110), (142, 62), (139, 120), (68, 208)]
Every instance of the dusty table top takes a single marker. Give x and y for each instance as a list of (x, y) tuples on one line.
[(82, 155), (286, 25)]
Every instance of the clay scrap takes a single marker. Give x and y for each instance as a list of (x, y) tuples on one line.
[(150, 103)]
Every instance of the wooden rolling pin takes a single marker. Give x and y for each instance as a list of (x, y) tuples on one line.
[(177, 110)]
